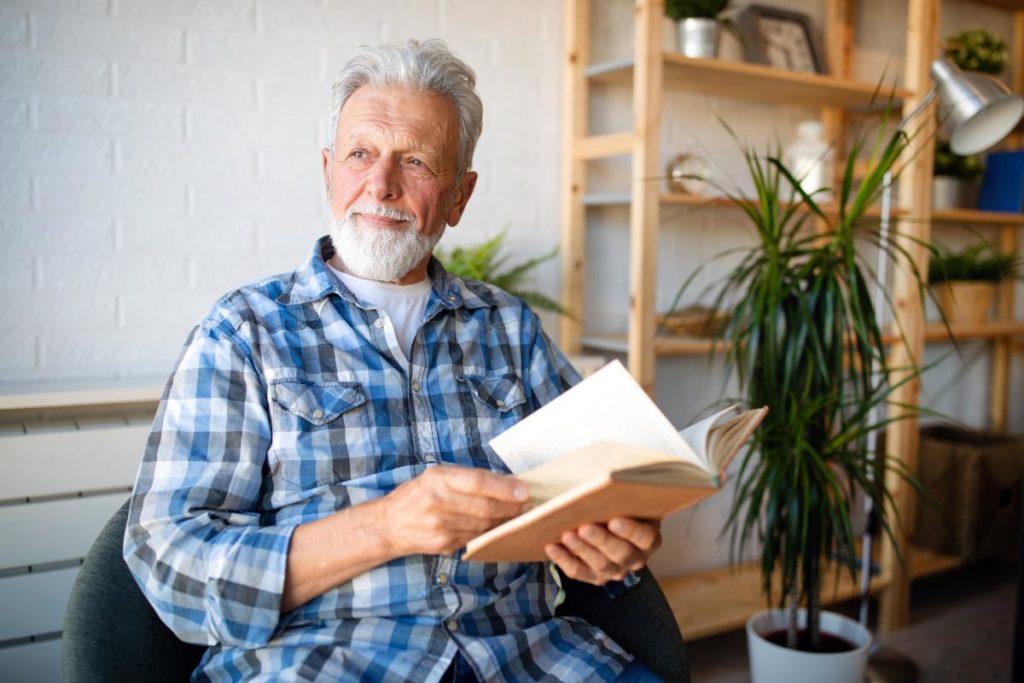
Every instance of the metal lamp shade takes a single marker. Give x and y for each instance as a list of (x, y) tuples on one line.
[(976, 109)]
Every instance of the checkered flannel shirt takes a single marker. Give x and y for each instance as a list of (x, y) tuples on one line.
[(288, 403)]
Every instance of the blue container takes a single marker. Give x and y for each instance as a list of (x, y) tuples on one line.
[(1002, 188)]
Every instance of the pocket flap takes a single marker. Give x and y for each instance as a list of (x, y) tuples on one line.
[(500, 392), (317, 403)]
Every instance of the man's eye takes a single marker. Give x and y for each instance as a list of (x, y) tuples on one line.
[(357, 154), (415, 162)]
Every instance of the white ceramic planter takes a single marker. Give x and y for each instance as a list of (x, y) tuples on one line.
[(698, 38), (770, 663)]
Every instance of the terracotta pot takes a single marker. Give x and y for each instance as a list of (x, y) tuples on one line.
[(965, 302)]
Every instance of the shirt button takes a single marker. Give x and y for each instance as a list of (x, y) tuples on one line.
[(317, 414), (415, 386), (500, 404), (378, 323), (443, 580), (452, 625), (451, 297)]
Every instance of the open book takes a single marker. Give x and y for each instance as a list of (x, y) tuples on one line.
[(603, 449)]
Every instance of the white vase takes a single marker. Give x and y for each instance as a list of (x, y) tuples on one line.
[(770, 663), (949, 192)]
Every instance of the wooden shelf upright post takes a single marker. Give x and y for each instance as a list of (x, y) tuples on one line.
[(644, 213), (574, 128), (915, 197)]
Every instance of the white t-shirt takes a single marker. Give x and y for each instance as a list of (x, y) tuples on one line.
[(403, 305)]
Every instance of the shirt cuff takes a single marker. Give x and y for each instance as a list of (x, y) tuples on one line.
[(617, 588)]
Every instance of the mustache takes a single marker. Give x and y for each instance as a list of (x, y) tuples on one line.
[(381, 211)]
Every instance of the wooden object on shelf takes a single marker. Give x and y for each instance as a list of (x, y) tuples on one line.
[(973, 481), (965, 302), (693, 321)]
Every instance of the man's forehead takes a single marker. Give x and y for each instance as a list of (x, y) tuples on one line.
[(401, 102), (399, 111)]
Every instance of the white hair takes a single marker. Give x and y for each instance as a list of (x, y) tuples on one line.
[(427, 66)]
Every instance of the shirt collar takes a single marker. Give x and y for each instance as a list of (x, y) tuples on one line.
[(313, 282)]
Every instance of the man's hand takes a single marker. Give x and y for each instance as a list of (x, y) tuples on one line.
[(443, 508), (597, 554)]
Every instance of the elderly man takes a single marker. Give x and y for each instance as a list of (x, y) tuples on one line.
[(319, 456)]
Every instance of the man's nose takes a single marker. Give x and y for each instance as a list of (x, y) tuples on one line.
[(383, 181)]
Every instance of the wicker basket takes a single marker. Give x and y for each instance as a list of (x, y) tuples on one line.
[(965, 302), (693, 321)]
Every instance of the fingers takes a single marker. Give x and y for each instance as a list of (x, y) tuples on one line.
[(645, 535), (443, 508), (596, 554), (477, 482)]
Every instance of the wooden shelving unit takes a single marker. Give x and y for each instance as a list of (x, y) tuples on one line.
[(720, 599), (716, 600)]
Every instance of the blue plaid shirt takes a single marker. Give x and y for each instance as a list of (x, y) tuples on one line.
[(288, 403)]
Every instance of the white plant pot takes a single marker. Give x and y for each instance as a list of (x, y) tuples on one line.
[(770, 663), (950, 193), (698, 38)]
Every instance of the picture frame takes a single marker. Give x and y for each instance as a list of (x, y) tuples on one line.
[(781, 38)]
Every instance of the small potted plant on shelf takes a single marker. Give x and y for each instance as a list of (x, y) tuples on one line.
[(955, 178), (804, 339), (964, 282), (977, 50), (698, 25)]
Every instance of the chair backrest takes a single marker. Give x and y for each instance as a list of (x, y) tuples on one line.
[(111, 633)]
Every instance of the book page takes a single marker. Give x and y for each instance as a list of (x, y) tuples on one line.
[(725, 440), (607, 406), (601, 460), (696, 435)]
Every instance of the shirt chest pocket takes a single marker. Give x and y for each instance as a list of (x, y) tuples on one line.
[(321, 432), (490, 405)]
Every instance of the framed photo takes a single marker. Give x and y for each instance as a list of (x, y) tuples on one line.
[(781, 38)]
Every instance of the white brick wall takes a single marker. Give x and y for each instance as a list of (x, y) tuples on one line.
[(155, 153)]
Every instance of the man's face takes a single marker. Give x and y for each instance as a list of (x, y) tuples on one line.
[(397, 150)]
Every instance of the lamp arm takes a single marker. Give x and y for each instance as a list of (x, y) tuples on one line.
[(929, 97)]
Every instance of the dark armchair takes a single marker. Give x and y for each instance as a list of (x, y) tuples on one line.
[(111, 633)]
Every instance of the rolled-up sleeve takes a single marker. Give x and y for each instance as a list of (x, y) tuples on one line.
[(194, 540)]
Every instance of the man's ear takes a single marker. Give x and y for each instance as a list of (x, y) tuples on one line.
[(462, 194), (326, 154)]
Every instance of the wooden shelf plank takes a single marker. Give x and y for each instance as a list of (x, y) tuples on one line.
[(663, 345), (1009, 5), (603, 146), (747, 81), (978, 217), (46, 395), (994, 329), (924, 562), (721, 599), (672, 345), (607, 199), (610, 343)]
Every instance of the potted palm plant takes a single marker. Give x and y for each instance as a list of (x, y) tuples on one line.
[(964, 282), (698, 25), (804, 339)]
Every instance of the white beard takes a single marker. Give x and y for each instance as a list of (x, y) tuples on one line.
[(384, 254)]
